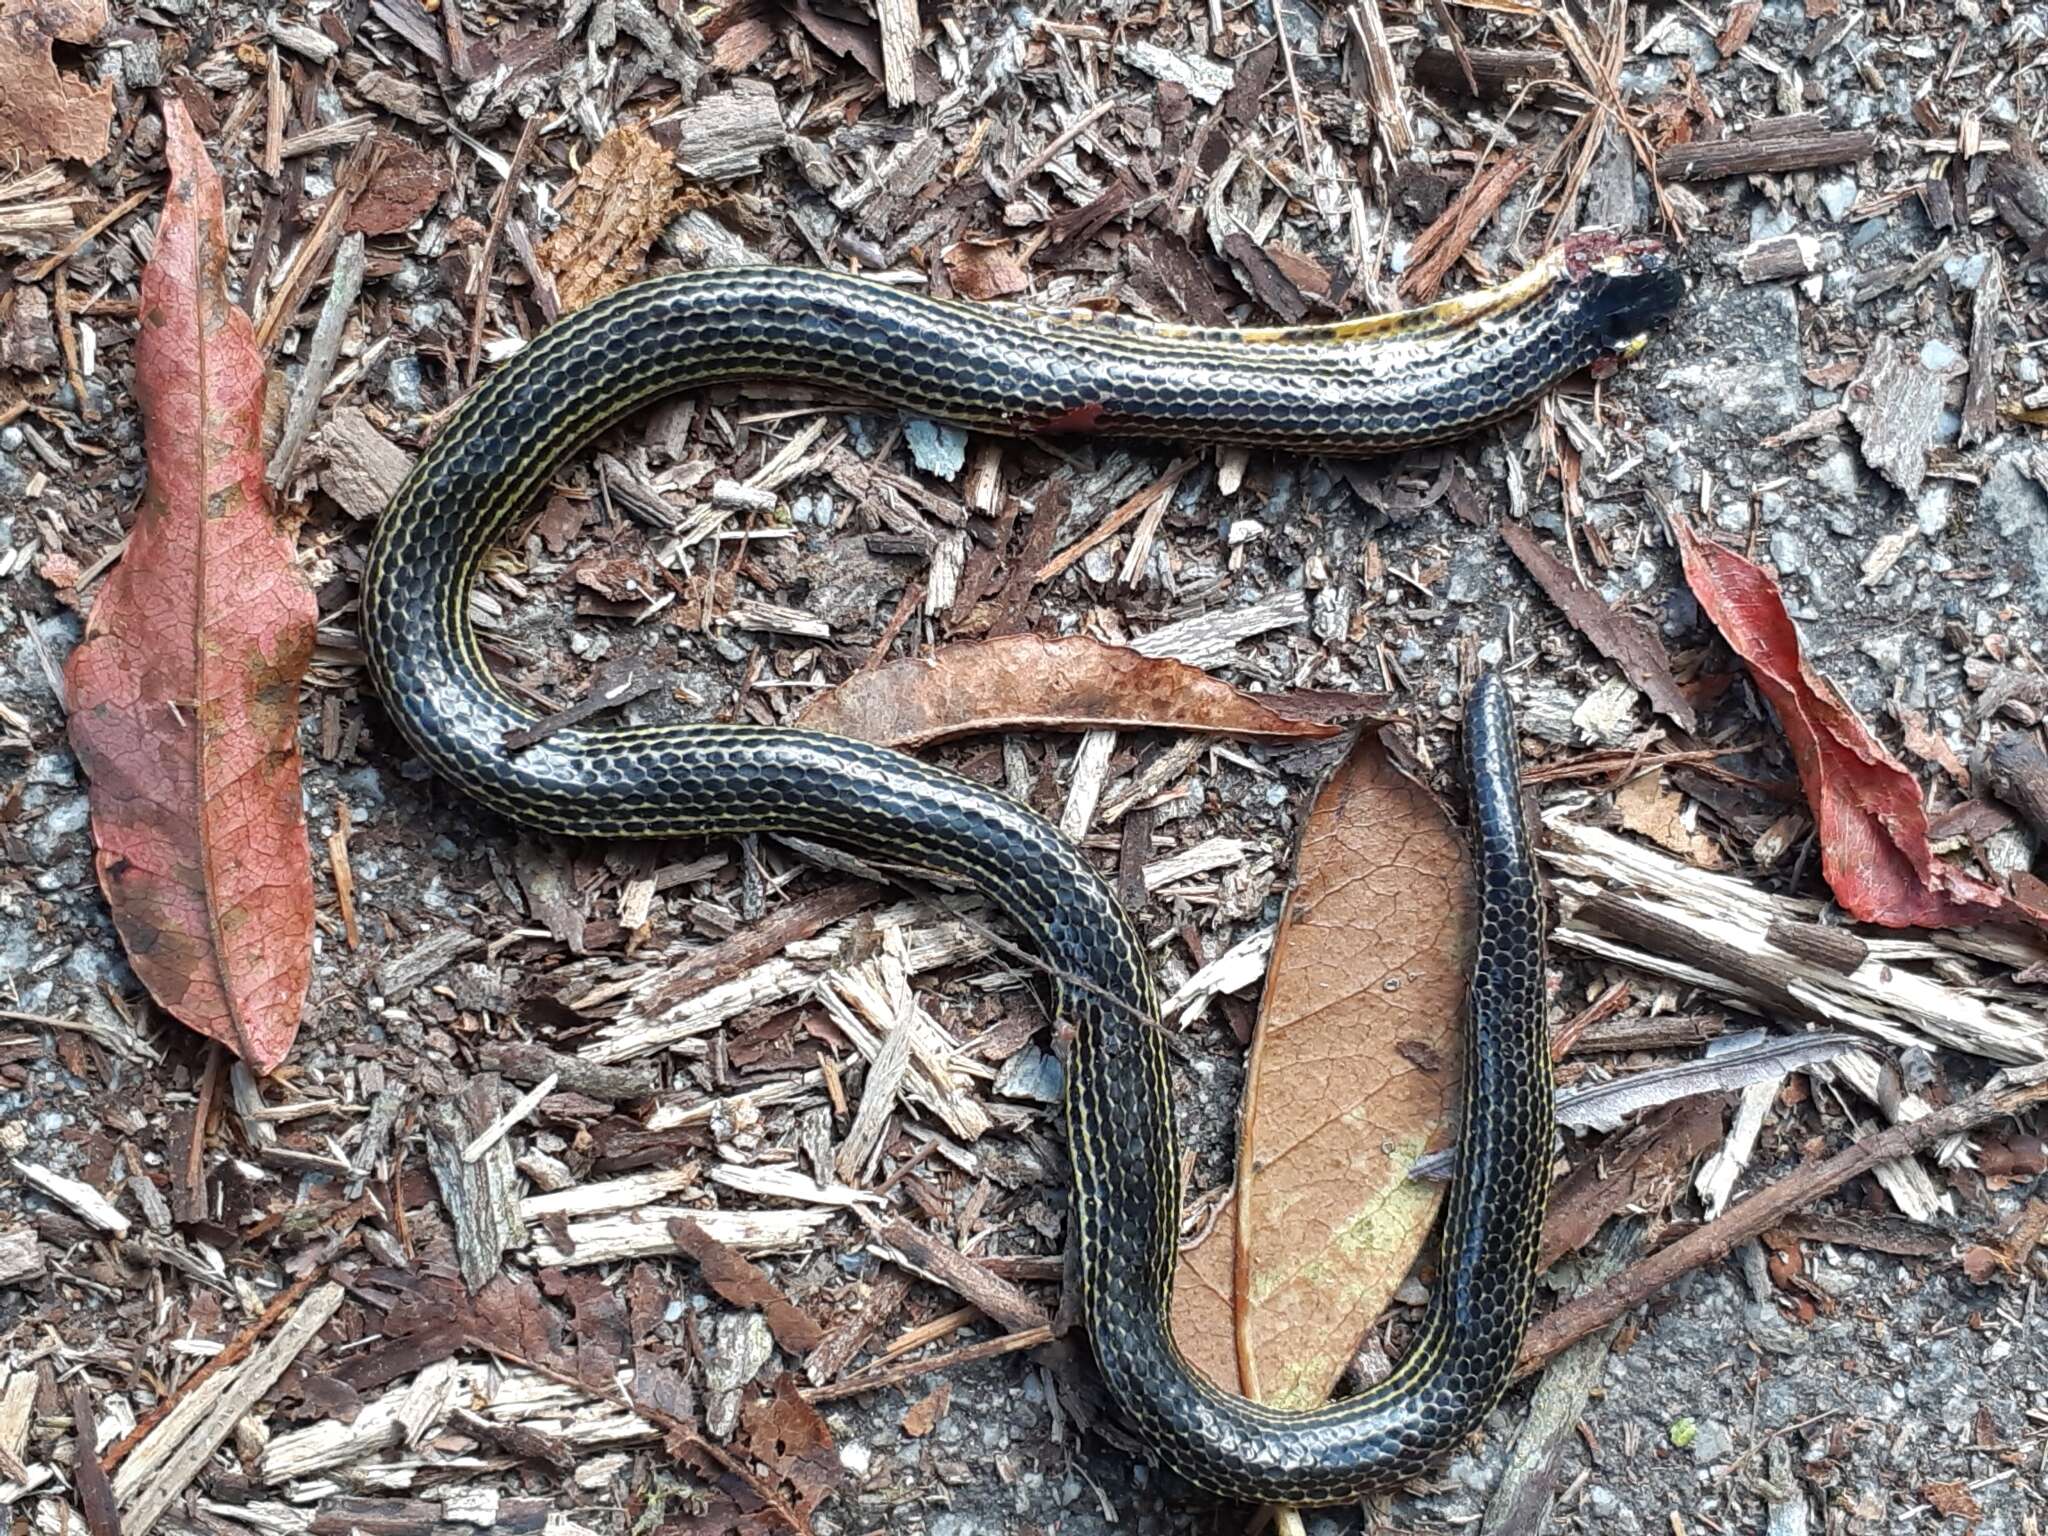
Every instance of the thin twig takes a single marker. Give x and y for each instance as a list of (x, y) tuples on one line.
[(2006, 1094), (892, 1375), (507, 191)]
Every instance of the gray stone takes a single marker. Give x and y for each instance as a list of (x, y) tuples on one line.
[(938, 449), (2016, 505), (1031, 1074)]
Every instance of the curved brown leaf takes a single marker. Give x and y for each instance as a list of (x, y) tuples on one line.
[(1352, 1071), (1875, 853), (1026, 682), (184, 697)]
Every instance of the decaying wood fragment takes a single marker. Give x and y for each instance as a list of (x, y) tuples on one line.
[(627, 192), (945, 1265), (1438, 247), (1777, 258), (1980, 397), (1495, 71), (1895, 406), (481, 1193), (2016, 771), (2018, 183), (357, 464), (728, 135), (21, 1256), (160, 1469), (897, 21), (1629, 642), (1760, 151)]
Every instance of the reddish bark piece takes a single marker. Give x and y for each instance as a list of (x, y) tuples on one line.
[(1025, 682), (47, 113), (184, 696), (1875, 853), (1353, 1069)]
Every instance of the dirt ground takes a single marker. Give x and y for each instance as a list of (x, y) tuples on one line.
[(1886, 1392)]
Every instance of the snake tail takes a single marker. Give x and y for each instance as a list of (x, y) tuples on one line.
[(1362, 386)]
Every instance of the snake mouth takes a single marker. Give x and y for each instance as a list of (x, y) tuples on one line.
[(1625, 289)]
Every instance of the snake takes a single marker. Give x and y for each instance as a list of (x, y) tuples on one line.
[(1352, 387)]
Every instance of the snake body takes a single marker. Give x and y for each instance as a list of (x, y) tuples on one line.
[(1366, 386)]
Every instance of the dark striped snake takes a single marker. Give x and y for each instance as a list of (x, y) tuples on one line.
[(1365, 386)]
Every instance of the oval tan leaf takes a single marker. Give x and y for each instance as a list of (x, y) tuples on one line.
[(1352, 1073)]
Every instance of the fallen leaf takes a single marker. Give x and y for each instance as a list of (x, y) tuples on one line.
[(1952, 1499), (982, 270), (404, 181), (185, 695), (789, 1437), (922, 1416), (743, 1283), (628, 190), (1025, 682), (1875, 852), (1650, 810), (46, 114), (1368, 970), (1631, 643)]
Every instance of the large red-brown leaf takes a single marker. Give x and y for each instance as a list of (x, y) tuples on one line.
[(1029, 682), (1872, 822), (1353, 1069), (184, 697)]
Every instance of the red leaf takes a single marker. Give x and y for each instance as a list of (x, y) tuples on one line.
[(1875, 852), (184, 697)]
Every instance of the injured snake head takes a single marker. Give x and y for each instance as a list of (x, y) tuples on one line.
[(1626, 288)]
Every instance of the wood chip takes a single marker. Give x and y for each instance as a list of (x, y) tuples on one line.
[(626, 194), (163, 1466), (1980, 398), (728, 135), (356, 464), (900, 29), (85, 1202), (1631, 643), (1763, 150), (481, 1196), (1895, 406)]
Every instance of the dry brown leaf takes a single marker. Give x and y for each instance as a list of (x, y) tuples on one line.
[(1368, 972), (46, 114), (1952, 1499), (983, 270), (922, 1416), (1650, 810), (1025, 682), (745, 1284), (404, 182), (629, 189)]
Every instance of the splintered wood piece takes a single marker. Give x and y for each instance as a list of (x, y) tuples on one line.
[(1760, 151), (164, 1464), (481, 1194)]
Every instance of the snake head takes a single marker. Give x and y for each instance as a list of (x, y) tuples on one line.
[(1624, 289)]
